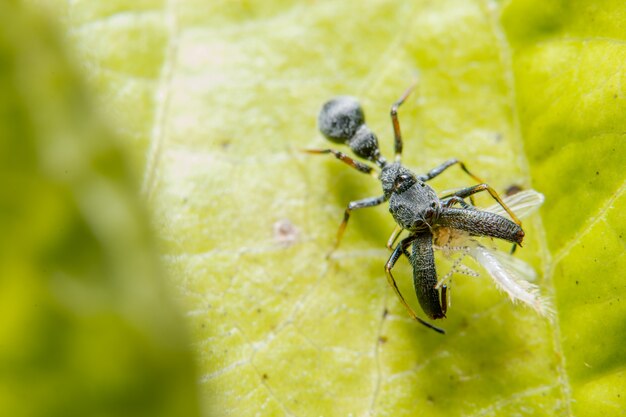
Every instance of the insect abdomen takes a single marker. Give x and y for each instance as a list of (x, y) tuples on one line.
[(482, 223), (425, 275)]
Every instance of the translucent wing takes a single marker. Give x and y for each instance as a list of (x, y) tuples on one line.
[(511, 277), (510, 274), (522, 204), (515, 265)]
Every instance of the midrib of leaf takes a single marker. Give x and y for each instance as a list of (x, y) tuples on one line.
[(546, 256), (162, 102), (389, 58), (570, 57), (593, 220)]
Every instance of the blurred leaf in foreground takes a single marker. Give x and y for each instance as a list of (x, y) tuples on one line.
[(87, 327)]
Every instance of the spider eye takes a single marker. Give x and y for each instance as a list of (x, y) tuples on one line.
[(402, 178), (403, 181)]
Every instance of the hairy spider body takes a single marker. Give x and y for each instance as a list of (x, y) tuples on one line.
[(413, 204)]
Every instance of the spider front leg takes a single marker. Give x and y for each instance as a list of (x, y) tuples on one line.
[(450, 162), (354, 205), (450, 201), (395, 255)]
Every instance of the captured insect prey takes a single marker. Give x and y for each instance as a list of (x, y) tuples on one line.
[(510, 274), (447, 223)]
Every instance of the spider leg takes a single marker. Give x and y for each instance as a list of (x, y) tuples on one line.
[(354, 205), (450, 162), (396, 124), (394, 236), (450, 201), (359, 166), (466, 192)]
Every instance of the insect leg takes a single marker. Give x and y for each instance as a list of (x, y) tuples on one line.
[(359, 166), (397, 252), (438, 170), (396, 124), (354, 205), (466, 192)]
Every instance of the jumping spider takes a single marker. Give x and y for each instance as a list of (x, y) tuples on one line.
[(413, 204)]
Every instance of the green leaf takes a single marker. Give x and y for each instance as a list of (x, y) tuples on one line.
[(570, 84), (88, 327), (215, 100)]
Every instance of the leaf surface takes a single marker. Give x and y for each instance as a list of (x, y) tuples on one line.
[(569, 71), (216, 100)]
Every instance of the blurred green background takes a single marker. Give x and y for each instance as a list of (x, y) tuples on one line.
[(88, 326), (164, 240)]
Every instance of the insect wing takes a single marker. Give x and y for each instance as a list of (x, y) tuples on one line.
[(523, 204), (512, 276), (514, 265)]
